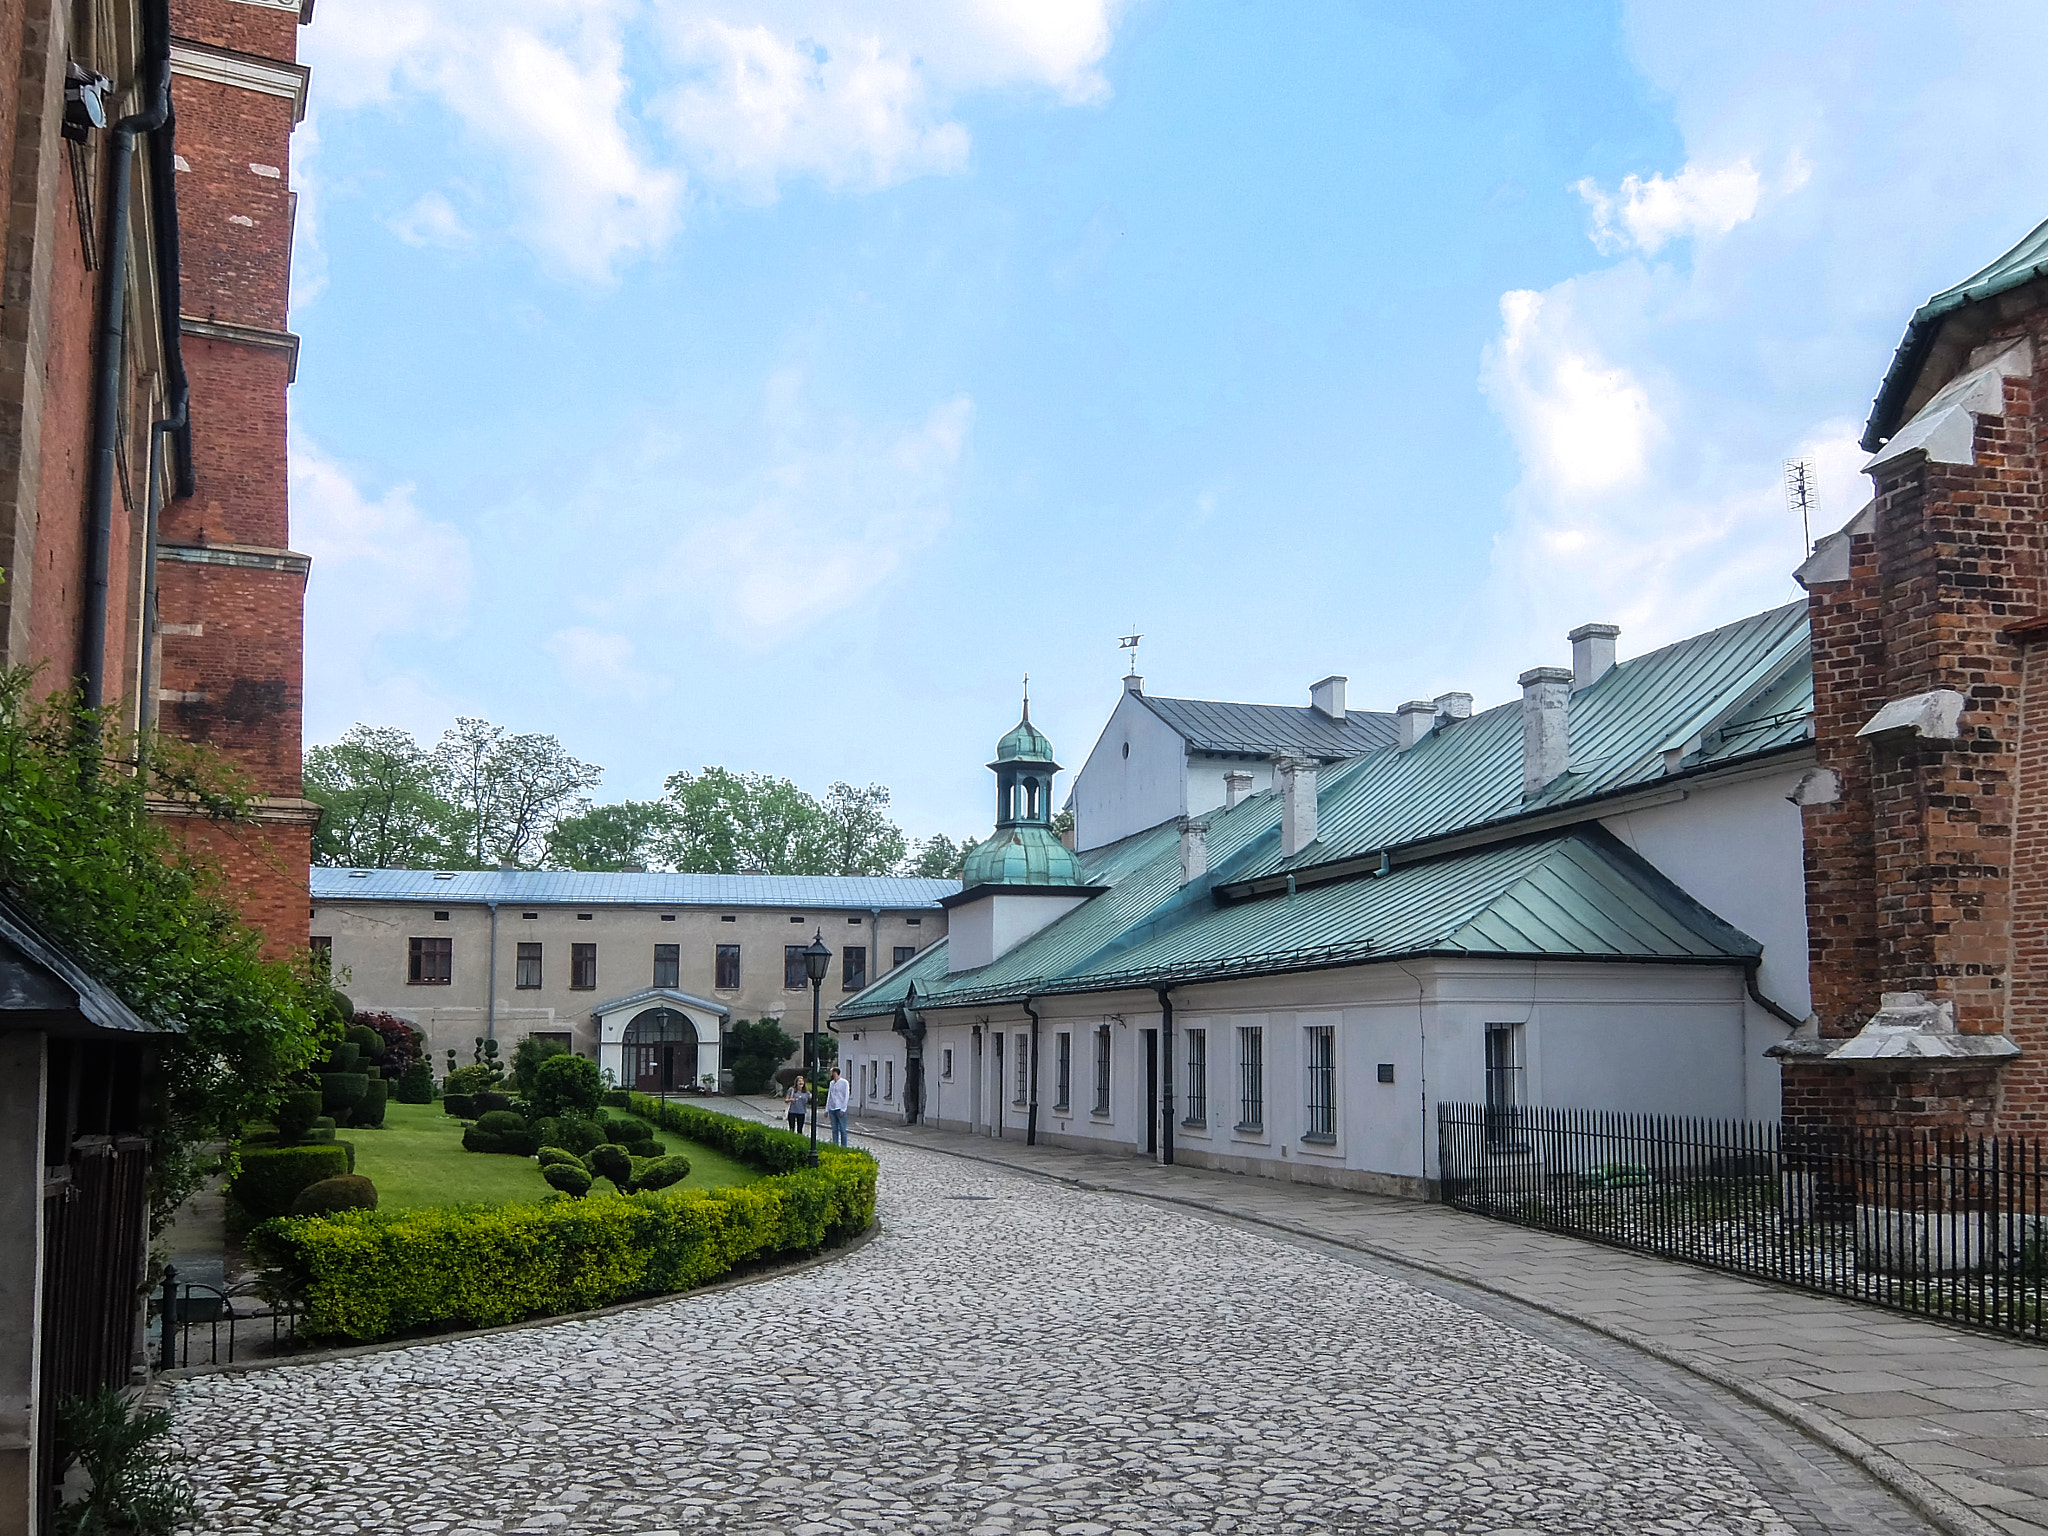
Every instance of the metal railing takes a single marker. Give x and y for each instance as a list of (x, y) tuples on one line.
[(194, 1323), (1944, 1225)]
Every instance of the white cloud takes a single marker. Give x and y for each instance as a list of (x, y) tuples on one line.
[(598, 112), (431, 221), (1647, 215), (1585, 426), (600, 663)]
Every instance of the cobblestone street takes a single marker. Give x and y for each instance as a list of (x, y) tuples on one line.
[(1011, 1356)]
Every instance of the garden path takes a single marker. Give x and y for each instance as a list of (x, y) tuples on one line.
[(1006, 1356)]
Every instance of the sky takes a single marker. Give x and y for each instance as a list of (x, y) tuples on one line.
[(774, 385)]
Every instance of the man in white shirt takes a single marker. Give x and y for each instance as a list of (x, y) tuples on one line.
[(836, 1096)]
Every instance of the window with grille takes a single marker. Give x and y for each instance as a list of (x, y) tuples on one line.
[(583, 967), (905, 953), (430, 962), (1503, 1081), (668, 965), (728, 974), (526, 969), (1023, 1067), (1102, 1069), (1321, 1044), (888, 1079), (794, 977), (946, 1064), (1063, 1069), (1198, 1077), (1251, 1078), (853, 967)]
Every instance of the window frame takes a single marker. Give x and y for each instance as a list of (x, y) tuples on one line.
[(794, 977), (1023, 1070), (853, 967), (1102, 1069), (1504, 1063), (1197, 1099), (1319, 1071), (420, 951), (521, 959), (946, 1064), (905, 953), (1251, 1079), (720, 953), (673, 959), (1063, 1071), (580, 957)]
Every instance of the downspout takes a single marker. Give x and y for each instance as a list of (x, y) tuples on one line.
[(106, 428), (1165, 1076), (1749, 975), (491, 987), (1031, 1119), (163, 192)]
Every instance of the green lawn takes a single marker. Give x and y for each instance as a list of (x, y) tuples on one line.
[(417, 1159)]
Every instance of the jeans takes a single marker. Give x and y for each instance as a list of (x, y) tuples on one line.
[(838, 1126)]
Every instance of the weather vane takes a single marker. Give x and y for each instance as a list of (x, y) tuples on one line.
[(1130, 643)]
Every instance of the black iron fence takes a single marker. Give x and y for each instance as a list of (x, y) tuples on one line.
[(196, 1323), (1949, 1226)]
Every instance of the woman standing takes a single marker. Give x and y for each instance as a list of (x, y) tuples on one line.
[(799, 1104)]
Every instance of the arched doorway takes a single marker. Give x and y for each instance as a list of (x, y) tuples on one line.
[(660, 1051)]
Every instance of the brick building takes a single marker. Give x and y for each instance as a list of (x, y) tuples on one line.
[(143, 368), (1926, 816)]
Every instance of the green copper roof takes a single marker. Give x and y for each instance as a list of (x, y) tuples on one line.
[(1026, 743), (2022, 264), (1021, 855)]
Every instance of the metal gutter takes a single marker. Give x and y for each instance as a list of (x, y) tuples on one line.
[(1031, 1118)]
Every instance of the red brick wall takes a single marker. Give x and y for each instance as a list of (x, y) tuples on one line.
[(234, 271), (243, 665), (264, 868), (1818, 1096)]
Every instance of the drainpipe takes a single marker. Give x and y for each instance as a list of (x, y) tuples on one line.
[(106, 429), (163, 194), (1166, 1075), (491, 987), (1031, 1120)]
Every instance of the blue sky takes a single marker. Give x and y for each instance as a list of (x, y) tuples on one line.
[(772, 385)]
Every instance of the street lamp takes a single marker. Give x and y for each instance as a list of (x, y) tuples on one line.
[(817, 961)]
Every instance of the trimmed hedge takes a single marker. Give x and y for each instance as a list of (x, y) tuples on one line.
[(272, 1176), (343, 1192), (370, 1113), (461, 1105), (370, 1274), (747, 1141), (415, 1085)]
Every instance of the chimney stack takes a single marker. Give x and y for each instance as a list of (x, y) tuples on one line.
[(1328, 696), (1453, 706), (1546, 726), (1194, 847), (1297, 803), (1592, 653), (1413, 721), (1236, 785), (1133, 683)]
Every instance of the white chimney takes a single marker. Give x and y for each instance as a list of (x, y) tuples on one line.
[(1194, 847), (1133, 683), (1592, 653), (1236, 785), (1328, 696), (1297, 803), (1454, 706), (1546, 725), (1413, 721)]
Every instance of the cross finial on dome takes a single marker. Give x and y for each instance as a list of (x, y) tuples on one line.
[(1027, 695)]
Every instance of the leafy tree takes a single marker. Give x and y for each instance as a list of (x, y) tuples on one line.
[(527, 1057), (383, 806), (753, 1049), (940, 858), (608, 837), (508, 791), (864, 841), (724, 823), (151, 916)]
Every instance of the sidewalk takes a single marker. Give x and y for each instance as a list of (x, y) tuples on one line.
[(1955, 1422)]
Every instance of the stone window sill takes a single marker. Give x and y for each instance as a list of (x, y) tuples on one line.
[(1315, 1140)]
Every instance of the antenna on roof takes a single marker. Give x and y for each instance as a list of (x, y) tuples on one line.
[(1802, 493), (1130, 643)]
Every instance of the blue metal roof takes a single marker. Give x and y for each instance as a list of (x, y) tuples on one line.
[(1267, 730), (547, 887)]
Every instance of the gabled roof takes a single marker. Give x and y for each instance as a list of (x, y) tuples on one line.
[(2022, 264), (44, 987), (655, 995), (545, 887), (1477, 878), (1267, 730)]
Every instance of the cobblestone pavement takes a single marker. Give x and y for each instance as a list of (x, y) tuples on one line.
[(1010, 1356)]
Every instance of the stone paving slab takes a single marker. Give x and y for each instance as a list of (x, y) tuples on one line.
[(1967, 1450)]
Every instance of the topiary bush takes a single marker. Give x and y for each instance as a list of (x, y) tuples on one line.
[(547, 1157), (564, 1083), (343, 1192), (296, 1112), (501, 1131), (646, 1146), (415, 1085), (370, 1113), (573, 1133), (572, 1179), (461, 1105), (341, 1092), (473, 1079), (367, 1041), (616, 1098), (661, 1172), (271, 1177), (489, 1102), (613, 1162)]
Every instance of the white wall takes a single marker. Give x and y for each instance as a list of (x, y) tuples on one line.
[(1205, 779), (1115, 795), (611, 1032), (990, 927)]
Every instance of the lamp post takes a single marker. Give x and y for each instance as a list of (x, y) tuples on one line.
[(817, 961)]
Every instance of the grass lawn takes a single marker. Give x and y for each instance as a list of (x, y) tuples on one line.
[(417, 1159)]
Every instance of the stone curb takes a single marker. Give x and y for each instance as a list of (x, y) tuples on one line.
[(1944, 1510), (637, 1304)]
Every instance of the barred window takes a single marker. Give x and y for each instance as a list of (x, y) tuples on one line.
[(1063, 1069), (888, 1079), (668, 965), (1198, 1077), (1322, 1082), (430, 962), (582, 967), (1251, 1078), (1503, 1081), (526, 973), (946, 1063), (1023, 1067), (1102, 1069), (728, 973)]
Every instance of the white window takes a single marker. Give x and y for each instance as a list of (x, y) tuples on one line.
[(1503, 1081), (1023, 1073), (1251, 1078), (1198, 1077), (1321, 1056), (1102, 1069)]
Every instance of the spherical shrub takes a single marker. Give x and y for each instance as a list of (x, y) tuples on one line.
[(612, 1162), (468, 1079), (499, 1121), (344, 1192), (550, 1157), (566, 1082), (662, 1172), (569, 1178), (366, 1040), (296, 1112), (571, 1132), (647, 1146)]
